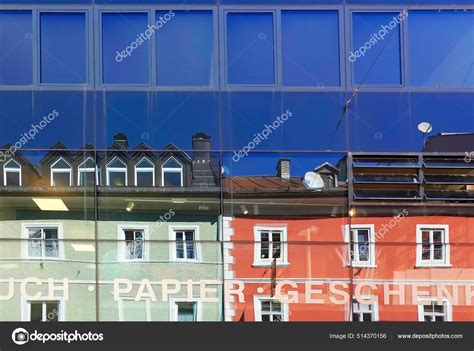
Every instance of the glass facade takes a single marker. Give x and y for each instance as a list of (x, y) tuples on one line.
[(236, 161)]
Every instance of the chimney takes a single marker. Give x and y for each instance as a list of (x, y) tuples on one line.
[(283, 168), (120, 140), (201, 147)]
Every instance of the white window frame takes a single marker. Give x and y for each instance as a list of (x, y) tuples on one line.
[(171, 170), (26, 308), (172, 229), (144, 170), (351, 261), (61, 170), (25, 239), (81, 170), (121, 310), (446, 262), (121, 244), (374, 307), (7, 169), (257, 306), (116, 170), (258, 261), (447, 304), (174, 308)]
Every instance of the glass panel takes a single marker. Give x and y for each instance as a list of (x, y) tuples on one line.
[(63, 48), (61, 179), (89, 163), (144, 163), (315, 61), (52, 311), (172, 179), (125, 54), (250, 48), (376, 48), (171, 163), (117, 179), (184, 49), (144, 178), (13, 178), (12, 164), (186, 311), (36, 311), (16, 61), (61, 164), (87, 178), (116, 163), (443, 55)]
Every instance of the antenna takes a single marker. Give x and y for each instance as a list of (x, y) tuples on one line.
[(313, 181), (425, 128)]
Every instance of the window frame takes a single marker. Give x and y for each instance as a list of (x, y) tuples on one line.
[(446, 262), (121, 311), (87, 170), (172, 170), (348, 239), (14, 170), (257, 304), (60, 170), (26, 307), (267, 262), (374, 311), (152, 82), (43, 225), (115, 170), (144, 170), (172, 229), (448, 308), (277, 32), (121, 244), (174, 301)]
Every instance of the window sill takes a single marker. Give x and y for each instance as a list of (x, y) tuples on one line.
[(356, 265), (269, 264), (433, 265)]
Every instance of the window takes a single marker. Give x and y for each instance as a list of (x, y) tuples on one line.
[(63, 48), (376, 48), (12, 173), (270, 310), (172, 173), (61, 173), (87, 173), (184, 243), (361, 239), (145, 173), (125, 54), (42, 241), (250, 48), (270, 243), (432, 249), (132, 243), (185, 311), (43, 311), (443, 55), (130, 310), (16, 60), (314, 61), (185, 49), (117, 173), (365, 312), (432, 311)]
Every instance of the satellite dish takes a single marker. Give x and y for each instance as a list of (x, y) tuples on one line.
[(425, 127), (313, 181)]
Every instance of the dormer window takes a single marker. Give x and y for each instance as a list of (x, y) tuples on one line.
[(12, 173), (87, 173), (61, 173), (117, 173), (172, 173), (145, 173)]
